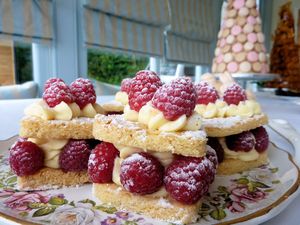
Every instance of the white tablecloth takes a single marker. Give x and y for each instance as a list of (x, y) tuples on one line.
[(11, 111)]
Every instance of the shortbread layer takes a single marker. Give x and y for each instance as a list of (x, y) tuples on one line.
[(49, 178), (165, 209), (221, 127), (232, 166), (35, 127), (115, 129)]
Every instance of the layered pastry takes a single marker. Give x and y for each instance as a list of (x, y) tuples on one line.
[(56, 137), (155, 155), (240, 46), (233, 121), (121, 99)]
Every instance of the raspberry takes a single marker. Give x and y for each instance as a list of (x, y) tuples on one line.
[(261, 139), (74, 156), (141, 173), (25, 158), (51, 81), (125, 85), (215, 144), (212, 156), (142, 88), (101, 162), (187, 178), (83, 91), (176, 98), (241, 142), (56, 93), (206, 93), (234, 94)]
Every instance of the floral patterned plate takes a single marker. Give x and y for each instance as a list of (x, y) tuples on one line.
[(251, 197)]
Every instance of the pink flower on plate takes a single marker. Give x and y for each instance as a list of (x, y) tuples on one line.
[(20, 200), (236, 207), (242, 194)]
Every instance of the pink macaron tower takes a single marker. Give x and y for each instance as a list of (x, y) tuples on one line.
[(240, 47)]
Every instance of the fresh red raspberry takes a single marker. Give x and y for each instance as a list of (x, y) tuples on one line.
[(51, 81), (83, 92), (187, 178), (234, 94), (206, 93), (142, 88), (212, 156), (57, 93), (74, 156), (176, 98), (261, 139), (244, 141), (215, 144), (25, 158), (125, 85), (101, 163), (141, 173)]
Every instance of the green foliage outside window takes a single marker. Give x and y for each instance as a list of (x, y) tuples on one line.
[(23, 62), (113, 68)]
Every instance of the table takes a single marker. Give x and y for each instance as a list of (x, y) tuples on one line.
[(287, 108)]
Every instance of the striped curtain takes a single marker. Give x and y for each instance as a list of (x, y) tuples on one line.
[(130, 25), (193, 30), (26, 20)]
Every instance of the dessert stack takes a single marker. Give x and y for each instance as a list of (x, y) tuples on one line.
[(154, 156), (56, 137), (233, 121), (240, 47)]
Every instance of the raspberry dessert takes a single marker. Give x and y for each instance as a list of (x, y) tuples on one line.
[(233, 121), (59, 140), (155, 153)]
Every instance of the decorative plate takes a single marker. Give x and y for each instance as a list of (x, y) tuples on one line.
[(253, 196)]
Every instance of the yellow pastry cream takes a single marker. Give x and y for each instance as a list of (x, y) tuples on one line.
[(221, 109), (243, 156), (62, 111), (155, 120), (51, 149), (122, 97)]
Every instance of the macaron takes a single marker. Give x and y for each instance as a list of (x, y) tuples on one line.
[(228, 57), (231, 13), (258, 20), (239, 57), (248, 46), (237, 47), (265, 68), (229, 23), (232, 67), (242, 38), (225, 32), (254, 12), (221, 67), (244, 11), (252, 56), (258, 47), (226, 49), (251, 20), (219, 58), (260, 37), (214, 67), (250, 3), (230, 39), (262, 57), (238, 4), (235, 30), (245, 67), (222, 42), (248, 28), (257, 67), (217, 51), (257, 28), (251, 37), (241, 21)]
